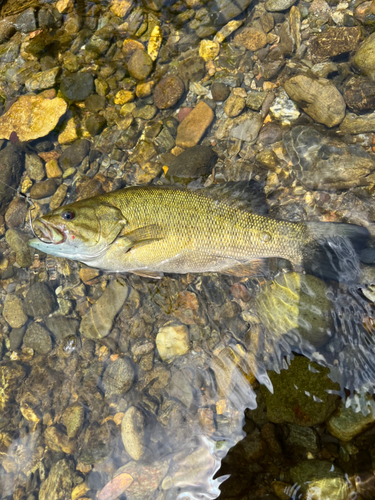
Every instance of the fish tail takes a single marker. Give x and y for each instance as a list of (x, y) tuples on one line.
[(331, 250)]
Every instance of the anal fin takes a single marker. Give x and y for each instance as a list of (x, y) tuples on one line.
[(149, 274), (256, 267)]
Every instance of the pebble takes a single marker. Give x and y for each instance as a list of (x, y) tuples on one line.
[(32, 117), (73, 418), (34, 167), (133, 432), (13, 311), (43, 80), (115, 487), (59, 196), (26, 21), (95, 103), (251, 38), (39, 301), (143, 90), (364, 58), (77, 86), (228, 10), (209, 49), (154, 43), (335, 41), (292, 400), (220, 92), (320, 99), (124, 96), (346, 424), (16, 213), (278, 5), (354, 124), (95, 124), (191, 164), (59, 482), (12, 164), (234, 105), (18, 241), (140, 65), (97, 322), (248, 127), (69, 132), (43, 189), (118, 377), (73, 155), (168, 91), (37, 338), (193, 127), (359, 94), (172, 341), (16, 337), (255, 100), (62, 327), (53, 170)]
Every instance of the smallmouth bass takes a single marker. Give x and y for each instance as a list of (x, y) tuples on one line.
[(153, 230)]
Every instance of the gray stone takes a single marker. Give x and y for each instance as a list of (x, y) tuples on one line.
[(35, 167), (26, 21), (118, 377), (43, 80), (18, 241), (77, 86), (59, 483), (255, 100), (73, 155), (62, 327), (15, 338), (364, 58), (12, 164), (97, 322), (223, 11), (346, 424), (140, 65), (180, 387), (353, 124), (38, 339), (39, 301), (279, 5), (191, 164), (301, 440), (249, 127)]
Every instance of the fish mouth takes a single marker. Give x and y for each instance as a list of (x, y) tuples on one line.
[(47, 233)]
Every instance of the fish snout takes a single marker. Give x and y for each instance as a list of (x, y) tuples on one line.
[(47, 232)]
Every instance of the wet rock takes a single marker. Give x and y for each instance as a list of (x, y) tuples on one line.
[(43, 189), (15, 338), (220, 91), (62, 327), (31, 117), (247, 127), (180, 387), (12, 162), (97, 442), (191, 69), (118, 377), (35, 167), (16, 213), (359, 94), (140, 65), (39, 301), (72, 418), (58, 197), (251, 38), (37, 338), (172, 341), (77, 86), (301, 440), (26, 21), (318, 98), (335, 41), (209, 49), (13, 311), (43, 80), (11, 376), (323, 163), (193, 127), (283, 109), (353, 124), (225, 10), (18, 241), (168, 91), (146, 478), (284, 305), (320, 476), (191, 164), (115, 487), (58, 485), (364, 58), (255, 100), (270, 134), (133, 432), (95, 124), (73, 155), (234, 105), (278, 5), (97, 322), (300, 394), (145, 112), (95, 103), (346, 424)]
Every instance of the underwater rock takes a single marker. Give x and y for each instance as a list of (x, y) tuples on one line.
[(234, 105), (300, 394), (18, 241), (359, 94), (13, 312), (35, 167), (172, 341), (191, 164), (364, 58), (192, 128), (77, 86), (12, 164), (278, 5), (335, 41), (37, 338), (58, 485), (43, 189), (73, 418), (220, 91), (140, 65), (39, 301), (118, 377), (73, 155), (346, 424), (168, 91), (133, 432), (62, 327)]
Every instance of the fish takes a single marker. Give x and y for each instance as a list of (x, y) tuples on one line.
[(151, 230)]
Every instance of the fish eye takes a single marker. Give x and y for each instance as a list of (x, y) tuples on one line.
[(68, 215)]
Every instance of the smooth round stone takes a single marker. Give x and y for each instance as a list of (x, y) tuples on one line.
[(43, 189), (279, 5), (18, 241), (35, 167), (16, 213), (191, 164), (62, 327), (77, 86), (95, 103), (13, 311), (251, 38), (346, 424), (234, 106), (95, 124), (364, 58), (12, 164), (220, 92), (168, 91), (73, 155), (39, 301), (133, 432), (140, 65), (172, 341), (37, 338), (118, 377), (15, 338)]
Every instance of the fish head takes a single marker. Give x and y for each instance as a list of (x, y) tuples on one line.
[(80, 231)]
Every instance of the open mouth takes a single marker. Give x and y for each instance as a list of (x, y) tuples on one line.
[(47, 233)]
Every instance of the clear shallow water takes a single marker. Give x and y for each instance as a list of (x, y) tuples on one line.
[(63, 410)]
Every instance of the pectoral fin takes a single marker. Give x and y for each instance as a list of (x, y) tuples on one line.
[(144, 235)]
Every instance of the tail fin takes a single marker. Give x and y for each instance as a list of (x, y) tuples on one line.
[(332, 250)]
